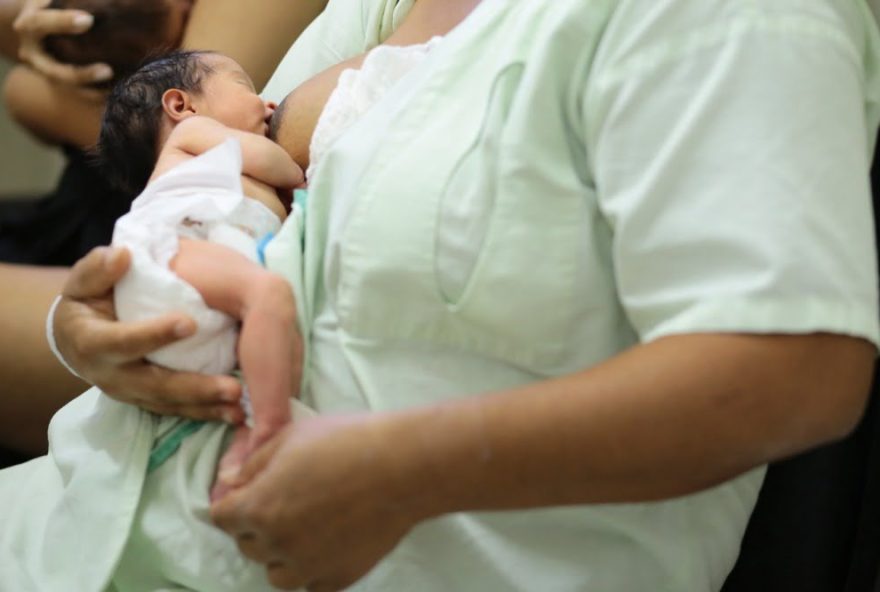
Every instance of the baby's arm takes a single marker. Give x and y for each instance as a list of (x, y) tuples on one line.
[(262, 159), (269, 347)]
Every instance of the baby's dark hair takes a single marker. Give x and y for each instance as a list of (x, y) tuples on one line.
[(128, 144), (124, 33)]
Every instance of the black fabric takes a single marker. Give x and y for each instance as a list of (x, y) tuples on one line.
[(808, 531), (816, 526), (63, 226), (9, 458), (864, 574)]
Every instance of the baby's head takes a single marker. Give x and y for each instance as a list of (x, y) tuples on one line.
[(124, 32), (145, 106)]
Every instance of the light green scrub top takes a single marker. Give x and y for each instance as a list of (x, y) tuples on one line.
[(558, 183)]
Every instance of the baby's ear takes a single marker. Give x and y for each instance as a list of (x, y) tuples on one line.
[(177, 105)]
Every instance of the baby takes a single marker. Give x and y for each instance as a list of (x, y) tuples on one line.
[(190, 131), (124, 33)]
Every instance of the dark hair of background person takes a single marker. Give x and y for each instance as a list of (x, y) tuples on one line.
[(124, 34), (127, 146)]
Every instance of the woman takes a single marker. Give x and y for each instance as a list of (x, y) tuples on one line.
[(575, 268)]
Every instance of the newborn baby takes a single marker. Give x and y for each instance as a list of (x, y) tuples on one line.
[(211, 199)]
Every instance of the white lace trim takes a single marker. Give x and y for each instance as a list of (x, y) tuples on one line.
[(358, 90)]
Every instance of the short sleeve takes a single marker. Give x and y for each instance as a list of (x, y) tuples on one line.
[(732, 165), (344, 29)]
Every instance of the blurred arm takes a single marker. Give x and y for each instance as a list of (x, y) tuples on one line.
[(256, 39), (34, 384), (53, 112), (9, 9)]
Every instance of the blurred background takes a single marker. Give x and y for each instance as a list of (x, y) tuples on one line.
[(28, 169)]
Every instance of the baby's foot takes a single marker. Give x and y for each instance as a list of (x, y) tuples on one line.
[(230, 463)]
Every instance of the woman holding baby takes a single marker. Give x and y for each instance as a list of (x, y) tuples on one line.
[(561, 285)]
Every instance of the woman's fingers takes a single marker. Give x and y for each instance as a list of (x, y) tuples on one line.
[(167, 392), (95, 274), (230, 464), (111, 355), (258, 460), (43, 22), (35, 22)]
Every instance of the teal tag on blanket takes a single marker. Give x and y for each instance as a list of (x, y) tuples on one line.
[(169, 442), (261, 247), (299, 198)]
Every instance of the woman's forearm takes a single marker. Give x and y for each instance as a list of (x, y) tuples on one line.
[(662, 420), (34, 384), (256, 38)]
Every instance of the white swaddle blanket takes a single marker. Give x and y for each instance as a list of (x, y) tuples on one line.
[(200, 199), (78, 518)]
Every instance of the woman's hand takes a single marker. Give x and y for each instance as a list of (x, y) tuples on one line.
[(322, 502), (110, 354), (35, 22)]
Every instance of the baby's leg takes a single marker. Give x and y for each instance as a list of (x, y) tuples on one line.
[(269, 345), (269, 351)]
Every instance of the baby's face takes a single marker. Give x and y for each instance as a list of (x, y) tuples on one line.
[(228, 95)]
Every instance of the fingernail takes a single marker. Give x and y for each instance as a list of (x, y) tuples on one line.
[(183, 329), (111, 256), (103, 72), (228, 475), (83, 21), (230, 416)]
